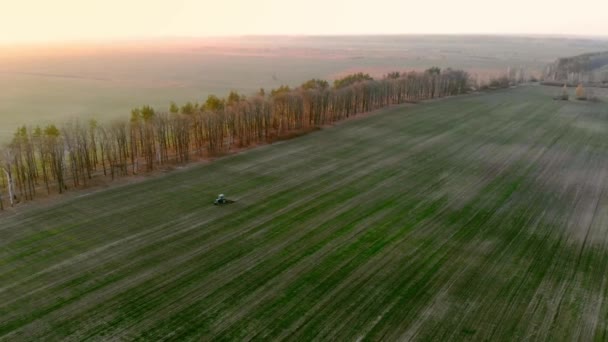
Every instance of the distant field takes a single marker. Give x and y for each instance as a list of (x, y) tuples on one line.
[(106, 83), (481, 217)]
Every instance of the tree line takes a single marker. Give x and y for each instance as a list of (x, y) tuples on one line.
[(51, 159), (588, 69)]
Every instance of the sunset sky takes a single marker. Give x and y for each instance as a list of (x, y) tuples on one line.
[(25, 21)]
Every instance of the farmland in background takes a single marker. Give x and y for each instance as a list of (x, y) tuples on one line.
[(42, 85), (477, 217)]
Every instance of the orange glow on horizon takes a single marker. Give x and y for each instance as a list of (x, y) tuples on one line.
[(34, 21)]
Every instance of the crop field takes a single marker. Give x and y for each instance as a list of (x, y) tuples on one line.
[(479, 217), (44, 87)]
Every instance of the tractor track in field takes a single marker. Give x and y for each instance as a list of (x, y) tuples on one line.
[(302, 200), (479, 217), (371, 298), (224, 239)]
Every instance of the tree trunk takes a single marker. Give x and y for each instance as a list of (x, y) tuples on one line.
[(11, 190)]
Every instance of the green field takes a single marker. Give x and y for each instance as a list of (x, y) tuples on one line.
[(480, 217), (107, 84)]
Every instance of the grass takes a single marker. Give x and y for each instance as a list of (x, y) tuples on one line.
[(479, 217)]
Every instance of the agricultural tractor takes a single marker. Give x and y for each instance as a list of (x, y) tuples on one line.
[(221, 200)]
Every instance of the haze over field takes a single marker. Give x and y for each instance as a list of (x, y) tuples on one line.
[(387, 170), (102, 58), (106, 80)]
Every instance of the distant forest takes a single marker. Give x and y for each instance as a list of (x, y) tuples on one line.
[(52, 159), (589, 69)]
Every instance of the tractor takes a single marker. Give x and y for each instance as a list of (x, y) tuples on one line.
[(221, 200)]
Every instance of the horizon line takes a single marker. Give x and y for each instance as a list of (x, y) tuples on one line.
[(109, 40)]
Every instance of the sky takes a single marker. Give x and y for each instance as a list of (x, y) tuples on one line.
[(34, 21)]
